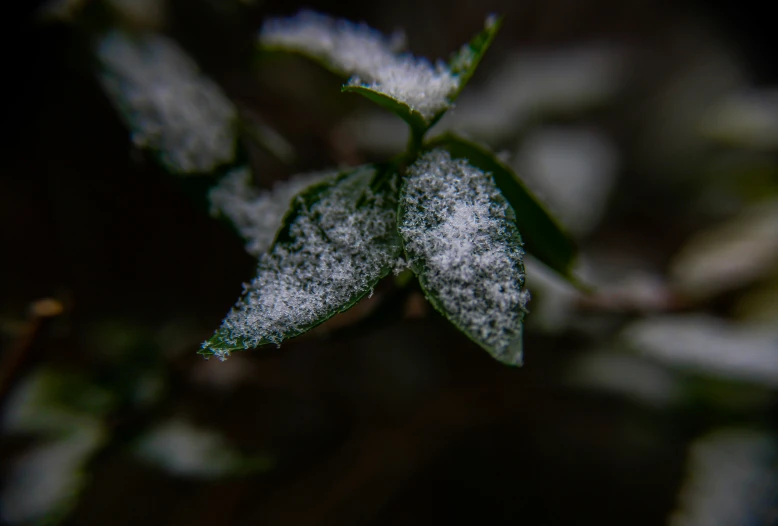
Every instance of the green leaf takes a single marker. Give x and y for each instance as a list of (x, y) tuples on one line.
[(465, 61), (460, 237), (415, 120), (542, 235), (338, 239)]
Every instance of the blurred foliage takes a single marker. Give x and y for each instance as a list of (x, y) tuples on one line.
[(393, 418)]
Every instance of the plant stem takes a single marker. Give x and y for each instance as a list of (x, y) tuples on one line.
[(414, 142)]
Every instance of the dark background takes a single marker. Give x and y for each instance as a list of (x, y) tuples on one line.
[(394, 418)]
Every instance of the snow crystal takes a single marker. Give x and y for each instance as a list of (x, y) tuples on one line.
[(167, 103), (373, 59), (257, 214), (460, 238), (335, 253)]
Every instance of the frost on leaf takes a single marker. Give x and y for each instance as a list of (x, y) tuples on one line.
[(338, 240), (460, 238), (257, 214), (167, 103), (372, 58)]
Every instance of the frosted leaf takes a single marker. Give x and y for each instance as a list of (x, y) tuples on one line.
[(708, 345), (347, 47), (167, 103), (257, 214), (731, 480), (372, 59), (526, 84), (460, 238), (330, 253)]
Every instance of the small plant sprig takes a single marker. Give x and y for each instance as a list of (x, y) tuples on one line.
[(446, 208)]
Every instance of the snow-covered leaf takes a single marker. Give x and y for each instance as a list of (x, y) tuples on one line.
[(461, 239), (337, 241), (257, 214), (411, 87), (543, 237), (169, 106), (344, 47), (523, 89)]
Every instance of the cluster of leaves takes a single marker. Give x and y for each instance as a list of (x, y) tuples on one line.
[(446, 208)]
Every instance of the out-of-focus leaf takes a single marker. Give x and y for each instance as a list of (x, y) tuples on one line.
[(708, 346), (169, 106), (186, 450), (730, 255)]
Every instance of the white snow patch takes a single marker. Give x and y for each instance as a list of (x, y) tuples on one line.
[(335, 253), (167, 103), (258, 214), (460, 238), (372, 58)]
